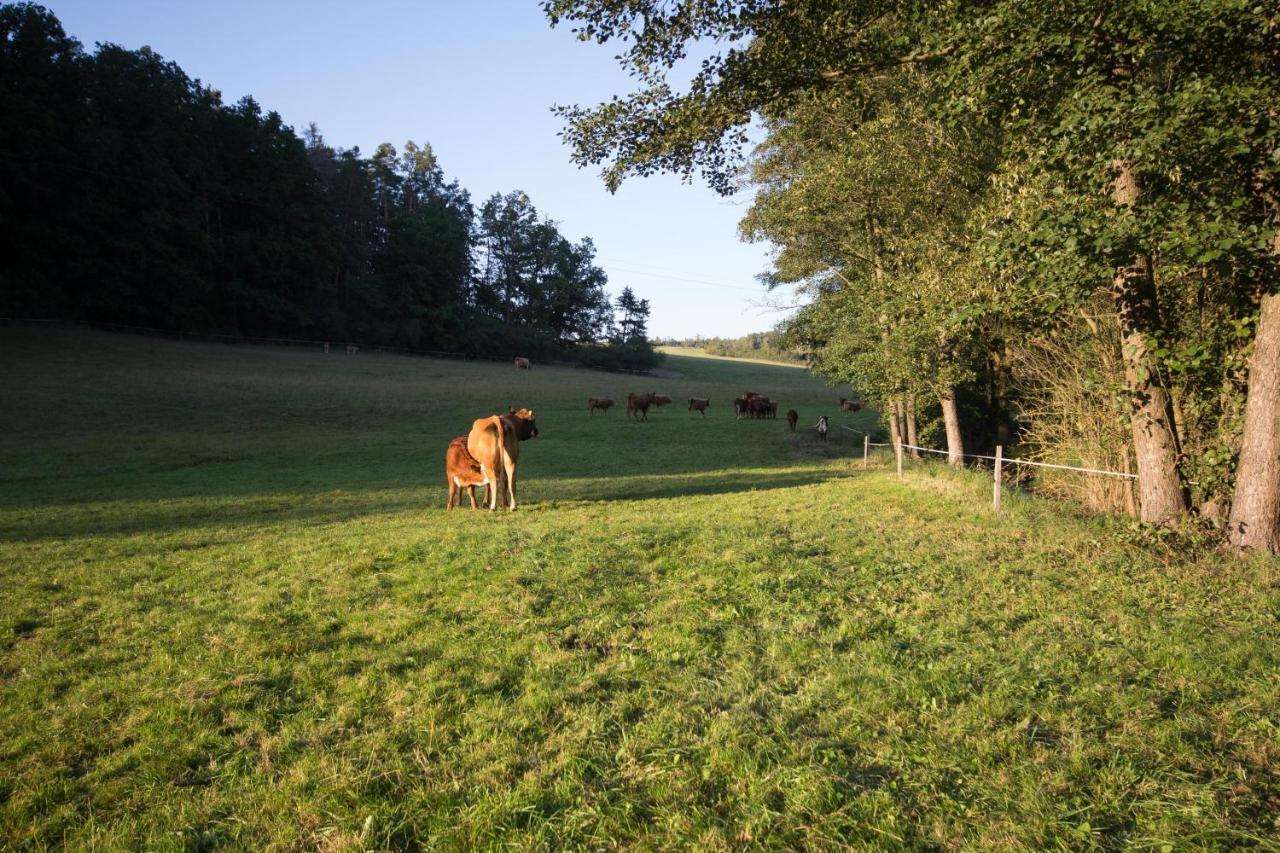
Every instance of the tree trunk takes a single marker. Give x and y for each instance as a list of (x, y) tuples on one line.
[(895, 433), (951, 417), (1255, 509), (1155, 440), (909, 414)]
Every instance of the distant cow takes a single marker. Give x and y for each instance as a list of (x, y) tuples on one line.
[(850, 405), (823, 427), (352, 349), (771, 408), (523, 364), (462, 471), (495, 443), (660, 399), (699, 405), (601, 403), (326, 347), (639, 403), (792, 417)]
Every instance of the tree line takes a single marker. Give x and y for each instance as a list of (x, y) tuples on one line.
[(1051, 223), (769, 346), (130, 193)]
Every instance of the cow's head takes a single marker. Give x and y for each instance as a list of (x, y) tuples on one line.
[(525, 428)]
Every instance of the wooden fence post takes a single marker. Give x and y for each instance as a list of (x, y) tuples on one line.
[(897, 448), (995, 493), (866, 448)]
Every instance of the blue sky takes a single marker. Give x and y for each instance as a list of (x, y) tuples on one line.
[(476, 80)]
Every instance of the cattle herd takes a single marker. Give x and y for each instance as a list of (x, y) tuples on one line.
[(487, 455)]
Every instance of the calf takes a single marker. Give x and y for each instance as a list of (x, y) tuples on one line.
[(601, 403), (822, 426), (660, 399), (792, 417), (462, 471), (699, 405), (850, 405)]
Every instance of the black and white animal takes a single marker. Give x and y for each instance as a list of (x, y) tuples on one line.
[(822, 426)]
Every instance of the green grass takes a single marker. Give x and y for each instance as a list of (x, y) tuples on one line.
[(235, 613)]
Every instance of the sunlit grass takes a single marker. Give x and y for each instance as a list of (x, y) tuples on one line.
[(234, 612)]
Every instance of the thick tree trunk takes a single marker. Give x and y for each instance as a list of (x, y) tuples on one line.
[(895, 432), (951, 418), (909, 414), (1255, 509), (1155, 440)]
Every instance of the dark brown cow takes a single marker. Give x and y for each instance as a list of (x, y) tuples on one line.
[(771, 408), (792, 417), (850, 405), (639, 403), (699, 405), (462, 471), (495, 443), (601, 403)]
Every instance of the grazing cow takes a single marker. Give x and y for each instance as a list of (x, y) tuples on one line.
[(462, 471), (822, 426), (523, 364), (601, 403), (495, 443), (792, 417), (639, 403), (771, 408), (352, 349), (850, 405), (699, 405), (660, 399), (326, 347)]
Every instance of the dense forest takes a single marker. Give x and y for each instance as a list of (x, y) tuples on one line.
[(1056, 224), (769, 346), (130, 193)]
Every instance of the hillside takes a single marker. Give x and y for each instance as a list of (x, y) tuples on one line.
[(236, 613)]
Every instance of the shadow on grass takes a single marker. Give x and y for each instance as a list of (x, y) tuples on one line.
[(162, 516)]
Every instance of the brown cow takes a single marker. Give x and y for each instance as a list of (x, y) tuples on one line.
[(771, 408), (699, 405), (495, 443), (639, 403), (462, 471), (601, 403), (792, 417), (850, 405), (660, 399), (523, 364)]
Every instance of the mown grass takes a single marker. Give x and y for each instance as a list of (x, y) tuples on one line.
[(234, 613)]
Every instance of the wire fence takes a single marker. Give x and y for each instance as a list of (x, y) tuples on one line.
[(339, 346), (999, 461)]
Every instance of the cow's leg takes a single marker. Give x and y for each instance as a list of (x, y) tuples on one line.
[(511, 484), (471, 493), (452, 486)]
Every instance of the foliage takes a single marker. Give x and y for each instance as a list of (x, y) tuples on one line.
[(133, 194), (1051, 109)]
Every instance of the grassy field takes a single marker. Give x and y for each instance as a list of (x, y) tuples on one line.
[(234, 613)]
